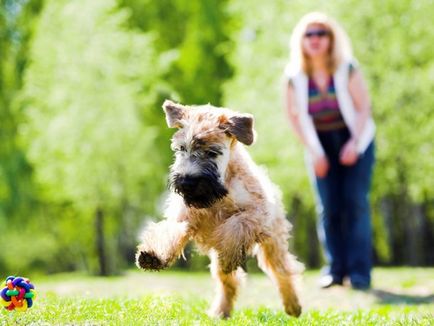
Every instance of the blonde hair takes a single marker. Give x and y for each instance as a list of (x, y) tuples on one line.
[(340, 45)]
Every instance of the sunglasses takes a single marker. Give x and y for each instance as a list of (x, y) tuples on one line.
[(319, 33)]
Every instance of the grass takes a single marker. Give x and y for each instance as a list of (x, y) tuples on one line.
[(400, 296)]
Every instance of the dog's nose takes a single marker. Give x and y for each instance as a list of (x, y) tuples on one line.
[(188, 183)]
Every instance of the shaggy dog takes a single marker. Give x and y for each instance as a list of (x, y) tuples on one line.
[(222, 201)]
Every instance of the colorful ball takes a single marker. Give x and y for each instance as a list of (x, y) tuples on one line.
[(17, 293)]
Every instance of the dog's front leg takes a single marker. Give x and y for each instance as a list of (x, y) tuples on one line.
[(161, 244), (234, 238)]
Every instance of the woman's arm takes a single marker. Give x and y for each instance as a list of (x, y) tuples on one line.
[(360, 96), (359, 93), (320, 162), (293, 114)]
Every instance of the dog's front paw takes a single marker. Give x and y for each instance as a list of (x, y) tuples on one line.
[(149, 261)]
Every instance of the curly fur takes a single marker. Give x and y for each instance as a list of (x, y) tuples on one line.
[(247, 218)]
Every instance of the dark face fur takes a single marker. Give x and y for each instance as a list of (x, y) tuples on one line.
[(202, 150), (195, 174)]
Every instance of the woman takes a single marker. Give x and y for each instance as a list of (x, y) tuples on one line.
[(329, 109)]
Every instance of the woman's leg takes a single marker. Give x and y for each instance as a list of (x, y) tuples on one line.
[(357, 181), (329, 227)]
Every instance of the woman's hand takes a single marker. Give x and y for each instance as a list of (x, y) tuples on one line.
[(348, 155), (321, 166)]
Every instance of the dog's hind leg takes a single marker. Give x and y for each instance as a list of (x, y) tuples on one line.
[(275, 260), (227, 288), (161, 244), (234, 238)]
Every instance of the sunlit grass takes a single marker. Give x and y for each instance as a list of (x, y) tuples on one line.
[(402, 296), (154, 310)]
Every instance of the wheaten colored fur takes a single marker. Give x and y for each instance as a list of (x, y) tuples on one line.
[(249, 220)]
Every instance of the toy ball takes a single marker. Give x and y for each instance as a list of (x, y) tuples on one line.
[(17, 293)]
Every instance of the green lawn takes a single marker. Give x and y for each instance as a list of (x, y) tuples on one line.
[(400, 296)]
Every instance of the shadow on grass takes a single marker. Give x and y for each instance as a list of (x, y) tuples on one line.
[(386, 297)]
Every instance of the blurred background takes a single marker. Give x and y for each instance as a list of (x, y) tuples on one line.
[(84, 148)]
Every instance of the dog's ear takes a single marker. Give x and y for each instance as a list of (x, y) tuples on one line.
[(241, 127), (174, 113)]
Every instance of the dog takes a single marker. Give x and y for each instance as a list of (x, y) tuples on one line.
[(224, 202)]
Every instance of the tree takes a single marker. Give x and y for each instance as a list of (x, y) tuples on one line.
[(195, 36), (89, 99), (17, 194)]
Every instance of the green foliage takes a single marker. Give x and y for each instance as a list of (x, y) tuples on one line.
[(86, 139), (16, 19), (89, 102), (195, 35), (17, 195)]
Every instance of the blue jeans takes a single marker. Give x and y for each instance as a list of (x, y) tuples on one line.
[(344, 224)]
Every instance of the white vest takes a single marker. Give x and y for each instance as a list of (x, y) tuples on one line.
[(341, 79)]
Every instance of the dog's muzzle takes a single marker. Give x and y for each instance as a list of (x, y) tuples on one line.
[(199, 191)]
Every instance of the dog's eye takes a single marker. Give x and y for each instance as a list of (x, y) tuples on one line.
[(180, 148), (211, 154)]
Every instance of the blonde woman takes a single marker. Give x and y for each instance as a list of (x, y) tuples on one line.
[(329, 109)]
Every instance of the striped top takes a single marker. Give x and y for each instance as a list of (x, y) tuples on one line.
[(324, 107)]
